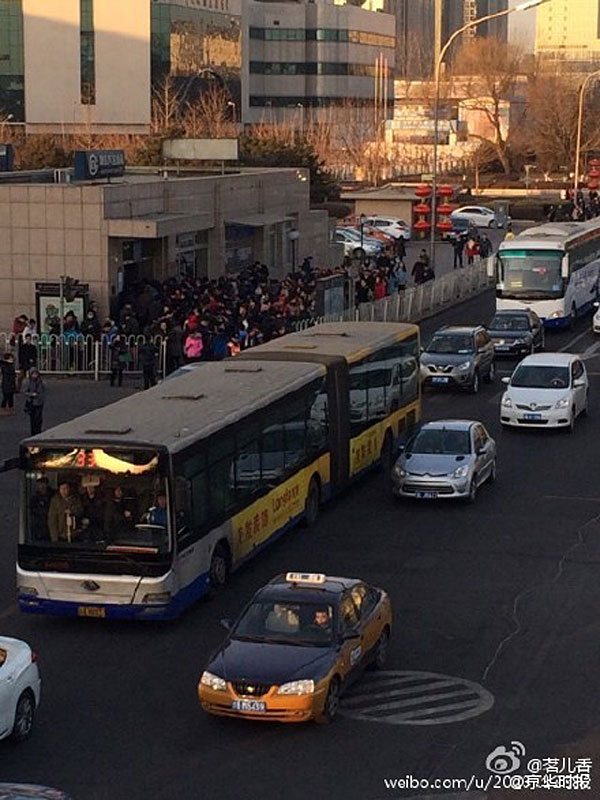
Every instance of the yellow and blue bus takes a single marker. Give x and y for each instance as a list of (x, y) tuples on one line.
[(137, 509)]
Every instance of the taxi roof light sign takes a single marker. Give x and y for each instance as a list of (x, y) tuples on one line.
[(309, 578)]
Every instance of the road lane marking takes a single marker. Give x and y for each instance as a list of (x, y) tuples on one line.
[(387, 698), (571, 497), (566, 347), (589, 353)]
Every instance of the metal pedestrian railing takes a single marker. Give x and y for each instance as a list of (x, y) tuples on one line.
[(416, 303)]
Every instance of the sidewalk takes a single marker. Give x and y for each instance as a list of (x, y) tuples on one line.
[(66, 398)]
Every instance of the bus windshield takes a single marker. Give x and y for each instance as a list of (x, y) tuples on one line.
[(96, 499), (532, 274)]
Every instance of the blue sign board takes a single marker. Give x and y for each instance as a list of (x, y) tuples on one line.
[(92, 165), (6, 157)]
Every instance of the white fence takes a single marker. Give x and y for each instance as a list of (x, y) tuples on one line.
[(83, 355), (416, 303)]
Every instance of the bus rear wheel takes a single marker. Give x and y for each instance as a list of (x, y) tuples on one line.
[(313, 503)]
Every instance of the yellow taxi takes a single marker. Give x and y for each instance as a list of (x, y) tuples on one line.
[(301, 640)]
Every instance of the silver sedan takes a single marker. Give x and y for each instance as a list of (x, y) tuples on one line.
[(445, 459)]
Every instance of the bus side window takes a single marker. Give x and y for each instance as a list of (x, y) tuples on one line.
[(221, 469), (247, 464), (183, 504), (317, 412), (272, 451), (294, 431)]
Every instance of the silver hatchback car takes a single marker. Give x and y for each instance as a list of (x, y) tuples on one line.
[(445, 459)]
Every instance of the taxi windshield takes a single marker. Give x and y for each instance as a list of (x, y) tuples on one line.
[(284, 622)]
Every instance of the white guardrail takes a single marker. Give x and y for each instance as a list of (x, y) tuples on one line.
[(82, 355), (414, 304)]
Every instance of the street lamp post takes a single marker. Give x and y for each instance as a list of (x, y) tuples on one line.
[(582, 89), (362, 219), (524, 6)]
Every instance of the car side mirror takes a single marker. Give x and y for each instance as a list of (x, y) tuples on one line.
[(596, 304), (401, 448), (506, 380), (226, 623)]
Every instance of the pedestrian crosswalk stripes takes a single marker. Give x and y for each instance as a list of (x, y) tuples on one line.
[(415, 698)]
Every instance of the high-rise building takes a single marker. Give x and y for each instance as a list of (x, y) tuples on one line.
[(416, 29), (568, 34)]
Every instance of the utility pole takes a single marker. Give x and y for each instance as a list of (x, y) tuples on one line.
[(438, 20)]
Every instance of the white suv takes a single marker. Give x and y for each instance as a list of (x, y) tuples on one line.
[(392, 226)]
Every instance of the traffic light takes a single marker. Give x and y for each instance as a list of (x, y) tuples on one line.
[(70, 287)]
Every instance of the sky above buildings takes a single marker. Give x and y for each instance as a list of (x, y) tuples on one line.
[(522, 26)]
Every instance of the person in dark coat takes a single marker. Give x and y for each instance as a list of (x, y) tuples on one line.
[(91, 326), (120, 515), (174, 347), (9, 383), (458, 245), (36, 397), (39, 506), (148, 353), (28, 357), (93, 512), (418, 272), (118, 359)]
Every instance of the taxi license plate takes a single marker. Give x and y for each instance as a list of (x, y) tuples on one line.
[(440, 380), (533, 416), (90, 611), (427, 495), (248, 705)]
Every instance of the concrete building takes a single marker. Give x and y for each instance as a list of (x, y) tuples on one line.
[(75, 65), (109, 235), (568, 34), (306, 57)]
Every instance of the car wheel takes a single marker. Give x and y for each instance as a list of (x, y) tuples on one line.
[(491, 373), (492, 223), (219, 567), (24, 715), (475, 383), (492, 477), (313, 504), (359, 252), (332, 702), (381, 651), (472, 490)]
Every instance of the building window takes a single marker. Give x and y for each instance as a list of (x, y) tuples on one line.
[(87, 53), (12, 83)]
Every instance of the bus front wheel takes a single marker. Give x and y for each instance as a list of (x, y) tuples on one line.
[(219, 567)]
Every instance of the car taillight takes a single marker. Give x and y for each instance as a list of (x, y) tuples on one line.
[(34, 657)]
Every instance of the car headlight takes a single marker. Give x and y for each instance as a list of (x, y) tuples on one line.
[(520, 341), (506, 402), (399, 471), (564, 402), (461, 472), (297, 687), (556, 314), (213, 681), (465, 365)]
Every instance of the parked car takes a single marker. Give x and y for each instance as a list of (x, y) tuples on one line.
[(20, 686), (516, 332), (29, 791), (547, 390), (482, 216), (393, 226), (353, 247), (445, 459), (458, 356)]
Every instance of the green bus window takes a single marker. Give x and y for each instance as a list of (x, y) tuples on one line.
[(199, 499), (221, 469)]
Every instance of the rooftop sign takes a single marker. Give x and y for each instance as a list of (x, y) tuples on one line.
[(92, 165)]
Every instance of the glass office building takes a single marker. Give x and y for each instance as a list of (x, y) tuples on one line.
[(197, 45), (12, 71)]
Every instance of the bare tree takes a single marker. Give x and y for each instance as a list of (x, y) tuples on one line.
[(489, 72), (166, 107), (211, 115)]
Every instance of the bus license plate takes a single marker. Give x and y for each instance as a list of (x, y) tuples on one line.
[(91, 611), (440, 380), (533, 416), (248, 705), (427, 495)]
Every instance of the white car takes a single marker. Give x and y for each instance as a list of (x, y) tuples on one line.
[(20, 686), (596, 319), (481, 216), (547, 390), (353, 246), (392, 226)]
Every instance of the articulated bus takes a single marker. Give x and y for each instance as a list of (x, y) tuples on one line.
[(137, 509), (552, 269)]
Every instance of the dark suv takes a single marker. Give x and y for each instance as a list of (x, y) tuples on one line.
[(458, 356)]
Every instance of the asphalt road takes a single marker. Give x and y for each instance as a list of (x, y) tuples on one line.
[(503, 594)]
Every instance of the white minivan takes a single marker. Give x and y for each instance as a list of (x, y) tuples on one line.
[(546, 390)]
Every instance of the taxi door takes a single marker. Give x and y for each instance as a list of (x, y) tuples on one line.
[(352, 639), (370, 619)]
